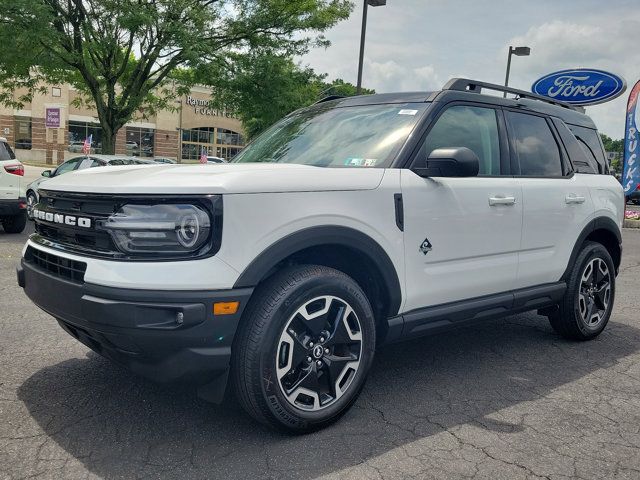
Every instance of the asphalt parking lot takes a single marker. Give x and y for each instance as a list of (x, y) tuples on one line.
[(505, 399)]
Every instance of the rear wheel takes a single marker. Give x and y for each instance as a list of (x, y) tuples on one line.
[(586, 307), (304, 349), (15, 223)]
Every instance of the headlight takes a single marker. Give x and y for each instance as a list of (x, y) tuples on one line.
[(168, 229)]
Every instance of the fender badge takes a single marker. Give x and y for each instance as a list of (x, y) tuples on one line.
[(426, 246)]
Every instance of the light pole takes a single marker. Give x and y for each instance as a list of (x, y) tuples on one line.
[(519, 52), (373, 3), (179, 157)]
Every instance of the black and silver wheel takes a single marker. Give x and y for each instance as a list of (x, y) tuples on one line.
[(304, 348), (588, 301), (31, 203)]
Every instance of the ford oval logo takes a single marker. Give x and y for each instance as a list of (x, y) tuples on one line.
[(581, 86)]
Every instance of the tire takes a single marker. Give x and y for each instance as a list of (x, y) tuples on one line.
[(15, 223), (573, 318), (32, 199), (304, 312)]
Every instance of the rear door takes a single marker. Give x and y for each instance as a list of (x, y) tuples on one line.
[(462, 235), (557, 203), (9, 181)]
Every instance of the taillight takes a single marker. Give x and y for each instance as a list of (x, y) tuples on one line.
[(15, 169)]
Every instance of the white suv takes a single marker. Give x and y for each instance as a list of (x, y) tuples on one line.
[(13, 206), (348, 225)]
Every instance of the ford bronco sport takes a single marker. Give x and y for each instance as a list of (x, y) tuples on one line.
[(350, 224)]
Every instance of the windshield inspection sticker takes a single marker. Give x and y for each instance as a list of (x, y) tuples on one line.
[(406, 111), (354, 161)]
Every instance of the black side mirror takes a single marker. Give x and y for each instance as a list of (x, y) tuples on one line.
[(450, 162), (46, 173)]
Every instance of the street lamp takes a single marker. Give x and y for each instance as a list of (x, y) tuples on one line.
[(518, 51), (373, 3)]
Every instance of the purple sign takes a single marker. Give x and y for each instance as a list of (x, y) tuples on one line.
[(52, 117)]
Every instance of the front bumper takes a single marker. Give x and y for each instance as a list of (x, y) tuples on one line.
[(165, 335), (13, 206)]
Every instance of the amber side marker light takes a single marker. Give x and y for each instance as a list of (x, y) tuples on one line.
[(225, 308)]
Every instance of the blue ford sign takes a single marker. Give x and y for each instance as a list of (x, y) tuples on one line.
[(581, 86)]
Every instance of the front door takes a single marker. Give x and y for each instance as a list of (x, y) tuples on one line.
[(462, 235)]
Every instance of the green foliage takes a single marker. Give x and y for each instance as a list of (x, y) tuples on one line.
[(611, 145), (262, 87), (130, 57)]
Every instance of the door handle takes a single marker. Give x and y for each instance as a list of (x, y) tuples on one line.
[(573, 198), (502, 200)]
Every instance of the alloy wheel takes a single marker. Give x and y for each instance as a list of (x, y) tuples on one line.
[(319, 353), (594, 295)]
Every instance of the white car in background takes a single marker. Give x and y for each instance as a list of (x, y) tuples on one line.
[(77, 163), (13, 206)]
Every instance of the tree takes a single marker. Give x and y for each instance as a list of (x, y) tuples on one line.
[(262, 87), (131, 57), (611, 145)]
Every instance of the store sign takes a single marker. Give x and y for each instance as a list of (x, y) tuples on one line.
[(580, 86), (203, 107), (52, 117)]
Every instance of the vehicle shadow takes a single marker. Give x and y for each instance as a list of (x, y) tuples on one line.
[(121, 426)]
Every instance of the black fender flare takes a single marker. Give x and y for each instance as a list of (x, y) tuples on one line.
[(598, 223), (325, 235)]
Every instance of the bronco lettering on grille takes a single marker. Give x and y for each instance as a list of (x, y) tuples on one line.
[(70, 220)]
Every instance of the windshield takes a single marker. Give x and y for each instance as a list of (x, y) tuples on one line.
[(360, 136)]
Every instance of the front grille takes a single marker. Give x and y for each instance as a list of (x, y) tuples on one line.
[(83, 240), (62, 267)]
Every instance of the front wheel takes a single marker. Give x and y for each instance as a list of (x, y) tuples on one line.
[(586, 307), (304, 348), (32, 199)]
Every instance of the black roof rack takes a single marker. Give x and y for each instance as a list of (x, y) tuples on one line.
[(328, 98), (466, 85)]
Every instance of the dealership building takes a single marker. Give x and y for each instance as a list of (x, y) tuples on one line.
[(52, 128)]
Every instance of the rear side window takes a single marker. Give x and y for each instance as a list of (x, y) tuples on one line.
[(465, 126), (535, 146), (590, 142), (5, 152), (583, 161)]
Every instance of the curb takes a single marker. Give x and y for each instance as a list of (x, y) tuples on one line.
[(628, 223)]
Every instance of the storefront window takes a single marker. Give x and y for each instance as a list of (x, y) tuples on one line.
[(140, 141), (22, 128), (216, 141), (79, 131)]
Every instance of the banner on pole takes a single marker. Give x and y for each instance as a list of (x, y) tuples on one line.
[(631, 172)]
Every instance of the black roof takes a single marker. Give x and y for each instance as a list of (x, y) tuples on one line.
[(471, 90)]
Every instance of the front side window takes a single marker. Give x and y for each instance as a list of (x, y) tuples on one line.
[(535, 145), (465, 126), (357, 136)]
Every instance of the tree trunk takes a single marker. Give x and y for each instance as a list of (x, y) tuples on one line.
[(108, 141)]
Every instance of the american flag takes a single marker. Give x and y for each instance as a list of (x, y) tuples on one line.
[(86, 146), (203, 155)]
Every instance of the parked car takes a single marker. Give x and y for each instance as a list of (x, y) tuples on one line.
[(75, 147), (634, 197), (13, 207), (164, 160), (212, 159), (351, 224), (77, 163)]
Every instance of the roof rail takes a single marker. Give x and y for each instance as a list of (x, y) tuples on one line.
[(466, 85), (328, 98)]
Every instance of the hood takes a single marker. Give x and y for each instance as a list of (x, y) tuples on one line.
[(215, 178)]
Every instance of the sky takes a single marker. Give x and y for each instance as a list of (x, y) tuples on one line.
[(420, 44)]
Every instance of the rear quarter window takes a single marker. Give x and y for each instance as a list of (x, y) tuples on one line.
[(590, 142), (6, 153)]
